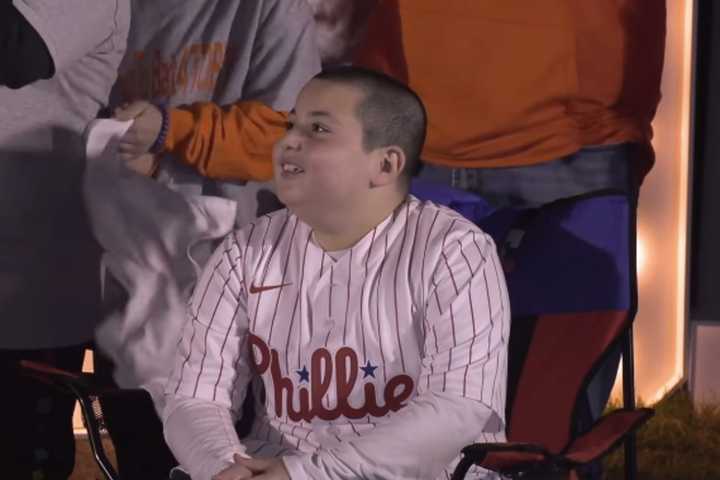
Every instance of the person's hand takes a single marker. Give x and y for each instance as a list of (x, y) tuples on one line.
[(144, 130), (264, 468), (144, 164), (236, 471)]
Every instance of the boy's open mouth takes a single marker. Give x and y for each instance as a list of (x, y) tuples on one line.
[(291, 169)]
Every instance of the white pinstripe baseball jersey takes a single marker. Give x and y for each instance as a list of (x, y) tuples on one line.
[(343, 341)]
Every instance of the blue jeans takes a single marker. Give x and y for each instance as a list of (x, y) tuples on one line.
[(588, 170)]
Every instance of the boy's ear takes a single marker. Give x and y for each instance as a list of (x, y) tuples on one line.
[(388, 166)]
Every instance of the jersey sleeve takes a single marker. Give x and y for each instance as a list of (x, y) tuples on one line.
[(467, 322), (201, 436), (211, 362), (211, 373), (231, 143), (72, 29), (461, 390), (417, 443)]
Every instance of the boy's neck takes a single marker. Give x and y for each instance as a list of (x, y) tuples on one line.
[(342, 230)]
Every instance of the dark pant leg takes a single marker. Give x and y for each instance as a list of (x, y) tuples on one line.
[(136, 431), (37, 434)]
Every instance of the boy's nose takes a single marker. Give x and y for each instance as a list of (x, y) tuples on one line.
[(291, 141)]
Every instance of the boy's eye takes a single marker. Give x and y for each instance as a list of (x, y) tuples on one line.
[(289, 125), (317, 128)]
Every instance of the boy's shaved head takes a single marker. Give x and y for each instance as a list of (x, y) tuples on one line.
[(390, 112)]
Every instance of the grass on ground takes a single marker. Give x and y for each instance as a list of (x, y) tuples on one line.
[(678, 443)]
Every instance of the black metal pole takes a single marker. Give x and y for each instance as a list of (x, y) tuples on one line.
[(628, 366)]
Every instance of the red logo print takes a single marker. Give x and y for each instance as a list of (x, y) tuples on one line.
[(345, 367)]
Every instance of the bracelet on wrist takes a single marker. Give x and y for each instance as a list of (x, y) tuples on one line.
[(159, 144)]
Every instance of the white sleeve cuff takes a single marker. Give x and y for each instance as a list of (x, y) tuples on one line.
[(201, 435)]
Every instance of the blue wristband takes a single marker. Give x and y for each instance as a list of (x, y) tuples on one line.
[(159, 144)]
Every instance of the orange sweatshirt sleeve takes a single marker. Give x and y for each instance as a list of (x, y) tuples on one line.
[(228, 143)]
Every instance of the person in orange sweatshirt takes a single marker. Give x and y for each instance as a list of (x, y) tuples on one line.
[(527, 102)]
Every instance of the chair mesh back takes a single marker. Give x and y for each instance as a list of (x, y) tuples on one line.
[(563, 349)]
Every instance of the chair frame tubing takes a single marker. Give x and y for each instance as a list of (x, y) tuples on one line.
[(93, 433)]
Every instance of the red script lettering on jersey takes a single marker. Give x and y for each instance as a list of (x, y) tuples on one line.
[(345, 366)]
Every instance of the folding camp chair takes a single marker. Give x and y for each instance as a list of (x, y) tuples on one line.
[(570, 273), (88, 389)]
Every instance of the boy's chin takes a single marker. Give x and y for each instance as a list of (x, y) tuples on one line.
[(289, 196)]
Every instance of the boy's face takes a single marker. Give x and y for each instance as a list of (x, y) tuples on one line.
[(320, 163)]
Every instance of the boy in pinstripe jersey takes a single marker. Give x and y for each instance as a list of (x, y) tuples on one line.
[(371, 319)]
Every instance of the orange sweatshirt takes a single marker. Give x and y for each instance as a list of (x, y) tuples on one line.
[(517, 82), (227, 143)]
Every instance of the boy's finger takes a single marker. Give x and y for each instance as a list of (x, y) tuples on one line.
[(256, 465)]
